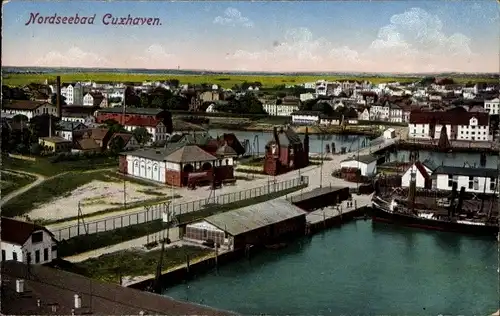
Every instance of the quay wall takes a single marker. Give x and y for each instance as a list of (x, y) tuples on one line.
[(182, 274)]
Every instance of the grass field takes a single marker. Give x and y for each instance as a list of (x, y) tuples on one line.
[(226, 81), (44, 167), (12, 181), (135, 262)]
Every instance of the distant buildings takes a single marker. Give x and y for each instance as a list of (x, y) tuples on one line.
[(28, 108)]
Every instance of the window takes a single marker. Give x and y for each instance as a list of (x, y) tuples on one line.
[(28, 257), (37, 256), (450, 180), (3, 255), (46, 254), (14, 256), (36, 237), (493, 184), (471, 182), (476, 183)]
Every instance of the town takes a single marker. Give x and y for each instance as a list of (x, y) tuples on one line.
[(130, 160)]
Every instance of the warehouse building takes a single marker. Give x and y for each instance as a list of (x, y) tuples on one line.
[(259, 224)]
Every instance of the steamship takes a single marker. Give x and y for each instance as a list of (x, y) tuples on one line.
[(447, 216)]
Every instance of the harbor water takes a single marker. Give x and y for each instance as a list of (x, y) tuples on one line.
[(362, 268), (257, 140)]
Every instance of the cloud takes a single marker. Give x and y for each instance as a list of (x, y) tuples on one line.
[(413, 41), (155, 56), (233, 17), (74, 57)]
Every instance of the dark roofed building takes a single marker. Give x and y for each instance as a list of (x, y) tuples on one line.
[(56, 290), (286, 152), (27, 242)]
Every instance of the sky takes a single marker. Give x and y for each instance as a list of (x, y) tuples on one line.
[(329, 36)]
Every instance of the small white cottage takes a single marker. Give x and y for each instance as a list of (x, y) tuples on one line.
[(423, 175), (367, 164)]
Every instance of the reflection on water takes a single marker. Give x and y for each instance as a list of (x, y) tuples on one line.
[(317, 143), (359, 268)]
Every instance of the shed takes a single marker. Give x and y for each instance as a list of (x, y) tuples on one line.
[(422, 176), (367, 164), (258, 224), (390, 133)]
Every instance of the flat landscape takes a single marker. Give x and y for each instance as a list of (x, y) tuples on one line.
[(97, 192), (225, 81)]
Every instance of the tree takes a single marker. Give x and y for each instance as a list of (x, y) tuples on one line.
[(177, 103), (173, 83), (308, 105), (114, 126), (323, 107), (142, 135), (116, 145), (131, 98), (144, 98), (53, 99), (36, 149), (40, 125)]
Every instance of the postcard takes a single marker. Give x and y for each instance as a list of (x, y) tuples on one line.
[(250, 157)]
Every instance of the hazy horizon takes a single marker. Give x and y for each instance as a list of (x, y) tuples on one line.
[(403, 37)]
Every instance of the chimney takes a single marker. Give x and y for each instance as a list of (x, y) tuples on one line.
[(58, 99), (50, 125), (19, 285), (78, 301)]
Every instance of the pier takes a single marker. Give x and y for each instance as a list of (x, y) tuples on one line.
[(456, 146)]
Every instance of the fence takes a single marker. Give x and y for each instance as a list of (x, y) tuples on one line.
[(155, 212)]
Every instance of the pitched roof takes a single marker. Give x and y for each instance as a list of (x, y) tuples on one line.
[(453, 117), (469, 172), (68, 125), (87, 144), (189, 153), (367, 159), (26, 105), (226, 151), (249, 218), (17, 232), (95, 133), (132, 110), (125, 136), (422, 170), (142, 121)]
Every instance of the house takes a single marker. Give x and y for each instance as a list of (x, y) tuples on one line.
[(492, 106), (129, 141), (289, 104), (367, 164), (334, 119), (380, 112), (55, 144), (176, 164), (458, 123), (286, 152), (27, 242), (389, 133), (95, 99), (474, 180), (154, 126), (28, 108), (121, 116), (395, 113), (100, 136), (259, 224), (423, 175), (364, 114), (73, 92), (209, 96), (65, 129), (79, 113), (306, 117)]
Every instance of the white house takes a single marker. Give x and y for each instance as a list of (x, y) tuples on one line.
[(28, 108), (474, 180), (73, 93), (367, 164), (390, 133), (492, 106), (305, 117), (422, 176), (307, 96), (395, 113), (380, 112), (65, 129), (364, 115), (95, 99), (156, 128), (320, 87), (478, 128), (27, 242)]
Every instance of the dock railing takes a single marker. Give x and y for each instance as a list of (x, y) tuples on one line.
[(155, 212)]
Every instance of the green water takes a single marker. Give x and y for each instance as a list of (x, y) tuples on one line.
[(362, 268)]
